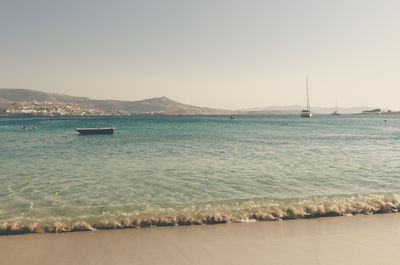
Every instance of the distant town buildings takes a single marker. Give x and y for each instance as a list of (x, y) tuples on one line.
[(49, 109)]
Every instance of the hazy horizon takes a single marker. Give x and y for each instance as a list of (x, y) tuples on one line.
[(218, 54)]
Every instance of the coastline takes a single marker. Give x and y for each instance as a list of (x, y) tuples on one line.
[(356, 239)]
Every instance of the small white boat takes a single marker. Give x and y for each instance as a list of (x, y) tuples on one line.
[(87, 131)]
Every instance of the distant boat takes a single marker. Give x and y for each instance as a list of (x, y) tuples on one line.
[(231, 117), (87, 131), (306, 113), (336, 111)]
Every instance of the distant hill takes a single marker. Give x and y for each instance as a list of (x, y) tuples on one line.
[(4, 102), (295, 109), (161, 105)]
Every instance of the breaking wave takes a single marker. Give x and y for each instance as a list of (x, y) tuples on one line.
[(238, 212)]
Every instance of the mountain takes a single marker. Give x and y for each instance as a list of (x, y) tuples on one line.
[(161, 105)]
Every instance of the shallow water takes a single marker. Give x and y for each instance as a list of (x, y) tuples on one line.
[(168, 170)]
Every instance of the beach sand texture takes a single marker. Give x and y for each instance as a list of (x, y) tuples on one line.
[(333, 240)]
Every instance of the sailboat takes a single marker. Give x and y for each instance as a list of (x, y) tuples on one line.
[(306, 113), (336, 111)]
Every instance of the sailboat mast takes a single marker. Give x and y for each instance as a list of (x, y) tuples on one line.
[(308, 99)]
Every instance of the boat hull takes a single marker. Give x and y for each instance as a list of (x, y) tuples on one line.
[(90, 131), (306, 114)]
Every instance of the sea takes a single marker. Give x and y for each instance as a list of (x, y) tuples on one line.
[(160, 170)]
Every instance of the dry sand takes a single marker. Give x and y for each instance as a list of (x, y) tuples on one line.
[(336, 240)]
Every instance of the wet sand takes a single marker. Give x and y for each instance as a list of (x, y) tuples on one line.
[(335, 240)]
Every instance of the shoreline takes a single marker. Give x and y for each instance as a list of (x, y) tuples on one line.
[(356, 239), (248, 212)]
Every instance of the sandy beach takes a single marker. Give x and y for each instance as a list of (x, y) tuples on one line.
[(335, 240)]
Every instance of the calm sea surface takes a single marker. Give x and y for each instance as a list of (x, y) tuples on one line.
[(169, 170)]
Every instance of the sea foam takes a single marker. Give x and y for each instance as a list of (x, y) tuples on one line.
[(248, 211)]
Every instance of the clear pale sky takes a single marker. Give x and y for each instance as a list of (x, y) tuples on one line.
[(225, 54)]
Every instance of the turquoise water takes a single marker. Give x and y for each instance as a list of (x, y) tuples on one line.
[(169, 170)]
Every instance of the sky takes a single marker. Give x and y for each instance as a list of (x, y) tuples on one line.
[(221, 54)]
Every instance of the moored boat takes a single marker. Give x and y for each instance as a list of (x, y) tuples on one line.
[(96, 130), (306, 113), (336, 112)]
